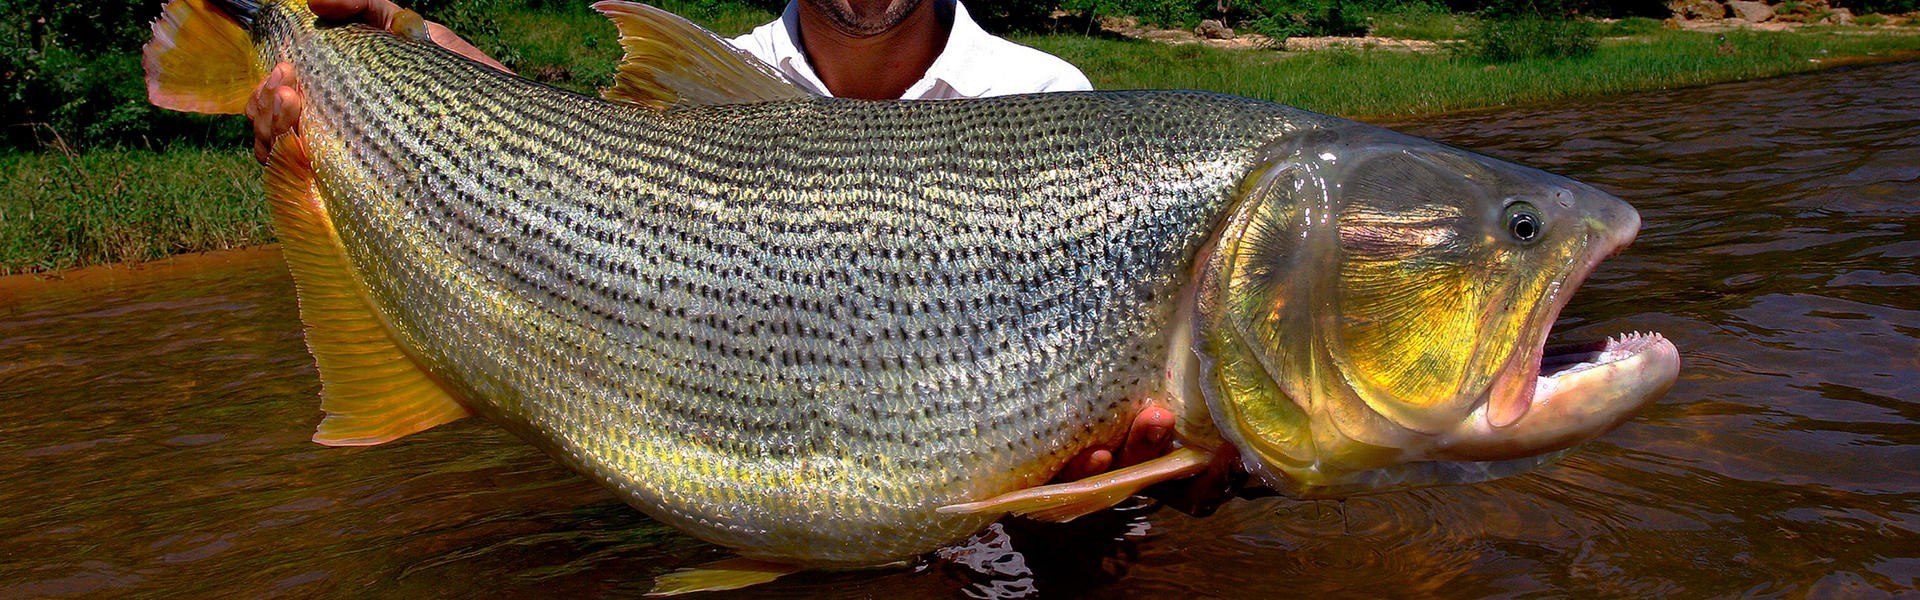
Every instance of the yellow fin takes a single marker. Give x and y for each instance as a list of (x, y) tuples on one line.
[(730, 574), (1062, 502), (671, 62), (200, 60), (372, 392)]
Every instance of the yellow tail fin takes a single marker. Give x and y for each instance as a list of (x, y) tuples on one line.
[(200, 60)]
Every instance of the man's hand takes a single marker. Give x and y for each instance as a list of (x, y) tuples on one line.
[(276, 104), (1150, 436)]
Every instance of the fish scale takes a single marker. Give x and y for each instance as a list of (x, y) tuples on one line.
[(813, 322)]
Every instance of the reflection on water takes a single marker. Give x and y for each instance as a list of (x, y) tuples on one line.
[(154, 423)]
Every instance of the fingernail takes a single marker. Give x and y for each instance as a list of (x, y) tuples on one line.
[(1157, 435)]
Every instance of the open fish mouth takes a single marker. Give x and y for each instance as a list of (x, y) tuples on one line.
[(1617, 374), (1582, 390), (1567, 359)]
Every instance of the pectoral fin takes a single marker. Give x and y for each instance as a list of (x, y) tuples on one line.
[(733, 573), (1064, 502)]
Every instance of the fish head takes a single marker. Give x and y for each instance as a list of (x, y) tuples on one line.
[(1374, 317)]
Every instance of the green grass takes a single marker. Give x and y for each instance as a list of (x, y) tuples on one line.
[(1381, 83), (62, 210), (1419, 22)]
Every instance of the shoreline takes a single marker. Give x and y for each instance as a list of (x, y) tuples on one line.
[(1838, 62), (21, 289)]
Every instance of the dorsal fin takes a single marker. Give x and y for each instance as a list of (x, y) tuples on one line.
[(673, 63)]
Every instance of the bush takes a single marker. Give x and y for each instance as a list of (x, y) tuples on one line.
[(74, 79), (1500, 40), (1281, 19), (1179, 14), (1417, 21), (1870, 20), (1881, 6)]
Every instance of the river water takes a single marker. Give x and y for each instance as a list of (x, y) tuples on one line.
[(154, 421)]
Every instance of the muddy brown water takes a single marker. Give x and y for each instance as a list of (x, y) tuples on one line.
[(154, 422)]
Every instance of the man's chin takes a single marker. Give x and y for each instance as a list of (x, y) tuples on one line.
[(869, 19)]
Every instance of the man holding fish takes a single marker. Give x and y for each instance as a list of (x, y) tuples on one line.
[(830, 333)]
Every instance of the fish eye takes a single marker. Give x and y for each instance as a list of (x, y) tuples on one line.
[(1524, 223)]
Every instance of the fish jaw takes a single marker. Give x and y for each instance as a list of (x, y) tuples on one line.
[(1587, 390)]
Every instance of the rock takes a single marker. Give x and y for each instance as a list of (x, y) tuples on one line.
[(1213, 30), (1693, 10), (1751, 12), (1839, 16)]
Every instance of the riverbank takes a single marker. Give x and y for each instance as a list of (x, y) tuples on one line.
[(60, 210), (1363, 84)]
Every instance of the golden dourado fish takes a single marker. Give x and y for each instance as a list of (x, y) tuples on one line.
[(840, 333)]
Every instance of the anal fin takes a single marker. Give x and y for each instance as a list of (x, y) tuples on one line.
[(1062, 502), (371, 391), (730, 574)]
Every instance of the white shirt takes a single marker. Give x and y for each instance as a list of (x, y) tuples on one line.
[(974, 64)]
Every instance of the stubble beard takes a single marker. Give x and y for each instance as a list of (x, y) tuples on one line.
[(848, 20)]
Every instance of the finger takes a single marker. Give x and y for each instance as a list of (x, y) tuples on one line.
[(283, 116), (263, 122), (1087, 464), (446, 38), (263, 95), (259, 108), (1150, 436), (291, 103)]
